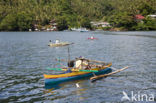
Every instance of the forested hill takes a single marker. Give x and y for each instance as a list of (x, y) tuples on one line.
[(20, 15)]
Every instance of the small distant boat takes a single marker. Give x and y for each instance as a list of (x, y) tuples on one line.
[(92, 38), (79, 29), (83, 30), (58, 43)]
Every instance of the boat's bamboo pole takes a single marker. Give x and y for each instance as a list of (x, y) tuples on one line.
[(95, 61), (86, 59), (104, 75), (68, 54)]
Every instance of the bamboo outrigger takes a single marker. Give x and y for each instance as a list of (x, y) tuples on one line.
[(105, 75), (98, 69)]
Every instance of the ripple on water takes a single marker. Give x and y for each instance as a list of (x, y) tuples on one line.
[(24, 57)]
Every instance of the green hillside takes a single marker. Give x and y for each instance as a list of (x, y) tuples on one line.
[(22, 15)]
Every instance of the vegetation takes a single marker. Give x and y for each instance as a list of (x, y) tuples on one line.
[(22, 15)]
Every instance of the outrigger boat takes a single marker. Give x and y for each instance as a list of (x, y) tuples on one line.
[(76, 74), (92, 38), (104, 69), (58, 43)]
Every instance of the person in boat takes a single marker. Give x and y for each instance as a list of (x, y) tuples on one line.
[(92, 37), (79, 63), (82, 63), (57, 41), (70, 64), (50, 42)]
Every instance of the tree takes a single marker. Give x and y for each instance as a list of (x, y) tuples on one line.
[(62, 23), (24, 21), (145, 9), (9, 23), (85, 23), (73, 13), (122, 19)]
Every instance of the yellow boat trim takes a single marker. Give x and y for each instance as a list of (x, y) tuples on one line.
[(73, 73)]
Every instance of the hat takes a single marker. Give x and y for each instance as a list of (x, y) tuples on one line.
[(80, 57)]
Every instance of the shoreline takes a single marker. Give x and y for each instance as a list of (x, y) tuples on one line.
[(86, 31)]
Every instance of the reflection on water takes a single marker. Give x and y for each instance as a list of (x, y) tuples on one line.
[(50, 91), (79, 93), (79, 90), (52, 86)]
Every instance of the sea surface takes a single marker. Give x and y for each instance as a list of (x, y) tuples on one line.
[(24, 57)]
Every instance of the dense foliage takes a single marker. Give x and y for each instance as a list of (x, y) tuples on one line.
[(20, 15)]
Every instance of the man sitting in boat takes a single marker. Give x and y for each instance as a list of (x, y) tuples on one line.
[(81, 63), (91, 37)]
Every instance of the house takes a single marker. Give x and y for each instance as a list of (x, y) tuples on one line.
[(80, 29), (152, 16), (139, 17), (53, 25)]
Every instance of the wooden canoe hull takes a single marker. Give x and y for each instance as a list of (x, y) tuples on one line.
[(75, 77), (92, 38), (53, 76), (59, 44)]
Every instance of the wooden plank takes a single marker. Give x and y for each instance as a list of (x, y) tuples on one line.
[(104, 75), (95, 61)]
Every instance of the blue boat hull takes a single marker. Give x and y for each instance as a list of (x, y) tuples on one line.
[(64, 79)]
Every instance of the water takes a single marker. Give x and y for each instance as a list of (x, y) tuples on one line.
[(24, 57)]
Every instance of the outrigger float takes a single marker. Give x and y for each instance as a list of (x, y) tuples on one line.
[(96, 71)]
